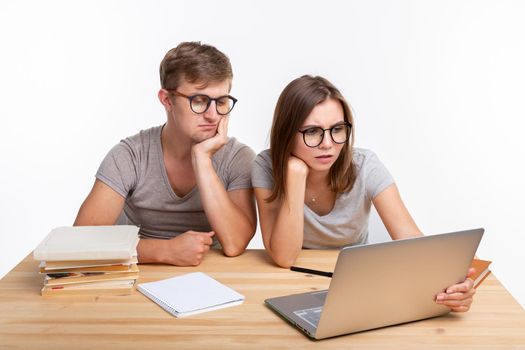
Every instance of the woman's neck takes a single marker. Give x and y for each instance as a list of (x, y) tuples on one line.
[(318, 179)]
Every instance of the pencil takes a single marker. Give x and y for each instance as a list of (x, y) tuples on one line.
[(313, 272)]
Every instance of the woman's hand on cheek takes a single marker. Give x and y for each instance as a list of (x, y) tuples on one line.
[(297, 166)]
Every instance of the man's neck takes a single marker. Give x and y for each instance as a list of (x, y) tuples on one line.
[(175, 145)]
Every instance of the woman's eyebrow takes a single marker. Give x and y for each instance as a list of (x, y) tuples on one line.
[(319, 126), (310, 126)]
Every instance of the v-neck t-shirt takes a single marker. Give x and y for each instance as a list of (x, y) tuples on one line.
[(347, 222), (135, 169)]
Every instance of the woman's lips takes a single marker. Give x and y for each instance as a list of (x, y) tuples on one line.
[(326, 158)]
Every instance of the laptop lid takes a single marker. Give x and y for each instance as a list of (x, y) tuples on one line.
[(386, 283)]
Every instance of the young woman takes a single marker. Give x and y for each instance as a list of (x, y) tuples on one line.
[(314, 190)]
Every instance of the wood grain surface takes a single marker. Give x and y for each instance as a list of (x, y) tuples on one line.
[(30, 321)]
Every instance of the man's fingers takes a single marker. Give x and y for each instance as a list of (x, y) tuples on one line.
[(198, 259), (223, 126), (209, 239), (201, 233)]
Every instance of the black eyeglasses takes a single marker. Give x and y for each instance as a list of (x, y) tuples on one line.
[(314, 136), (200, 103)]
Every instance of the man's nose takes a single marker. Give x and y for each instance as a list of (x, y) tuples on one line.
[(211, 113)]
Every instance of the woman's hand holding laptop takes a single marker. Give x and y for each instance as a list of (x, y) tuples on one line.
[(458, 297)]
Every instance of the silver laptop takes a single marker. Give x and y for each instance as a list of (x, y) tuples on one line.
[(382, 284)]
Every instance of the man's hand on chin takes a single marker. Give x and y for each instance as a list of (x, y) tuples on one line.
[(209, 146)]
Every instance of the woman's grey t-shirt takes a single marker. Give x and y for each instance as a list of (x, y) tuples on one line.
[(347, 223), (135, 169)]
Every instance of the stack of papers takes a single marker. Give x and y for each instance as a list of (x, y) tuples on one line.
[(190, 294), (89, 260)]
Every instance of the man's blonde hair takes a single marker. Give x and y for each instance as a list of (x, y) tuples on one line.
[(195, 63)]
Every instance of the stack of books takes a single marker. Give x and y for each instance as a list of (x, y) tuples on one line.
[(89, 260), (482, 270)]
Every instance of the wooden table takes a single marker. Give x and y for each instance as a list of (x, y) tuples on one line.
[(29, 321)]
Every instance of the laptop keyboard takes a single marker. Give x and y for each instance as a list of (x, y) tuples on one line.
[(312, 315)]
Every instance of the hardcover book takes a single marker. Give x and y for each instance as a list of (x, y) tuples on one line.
[(89, 243), (482, 270)]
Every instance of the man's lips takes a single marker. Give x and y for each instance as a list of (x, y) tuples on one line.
[(208, 126)]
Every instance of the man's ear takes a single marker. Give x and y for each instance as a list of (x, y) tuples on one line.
[(164, 98)]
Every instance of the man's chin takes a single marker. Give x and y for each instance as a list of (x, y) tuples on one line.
[(203, 136)]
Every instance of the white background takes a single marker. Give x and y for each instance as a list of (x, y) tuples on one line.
[(438, 89)]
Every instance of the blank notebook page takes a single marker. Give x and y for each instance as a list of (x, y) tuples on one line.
[(190, 294)]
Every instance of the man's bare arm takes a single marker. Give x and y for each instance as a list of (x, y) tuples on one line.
[(103, 206)]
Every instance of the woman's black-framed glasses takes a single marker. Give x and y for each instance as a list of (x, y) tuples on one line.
[(200, 103), (314, 136)]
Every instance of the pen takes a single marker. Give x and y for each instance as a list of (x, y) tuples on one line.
[(313, 272)]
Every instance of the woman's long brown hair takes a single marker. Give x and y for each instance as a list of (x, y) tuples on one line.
[(295, 103)]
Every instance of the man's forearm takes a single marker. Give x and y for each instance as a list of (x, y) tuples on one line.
[(232, 227), (152, 251)]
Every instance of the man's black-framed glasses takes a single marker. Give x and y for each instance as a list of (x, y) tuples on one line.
[(200, 103), (313, 137)]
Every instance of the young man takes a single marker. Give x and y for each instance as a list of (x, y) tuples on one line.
[(185, 183)]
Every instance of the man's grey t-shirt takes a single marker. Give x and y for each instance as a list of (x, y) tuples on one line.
[(347, 223), (135, 169)]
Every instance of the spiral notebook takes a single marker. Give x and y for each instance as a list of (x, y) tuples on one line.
[(190, 294)]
